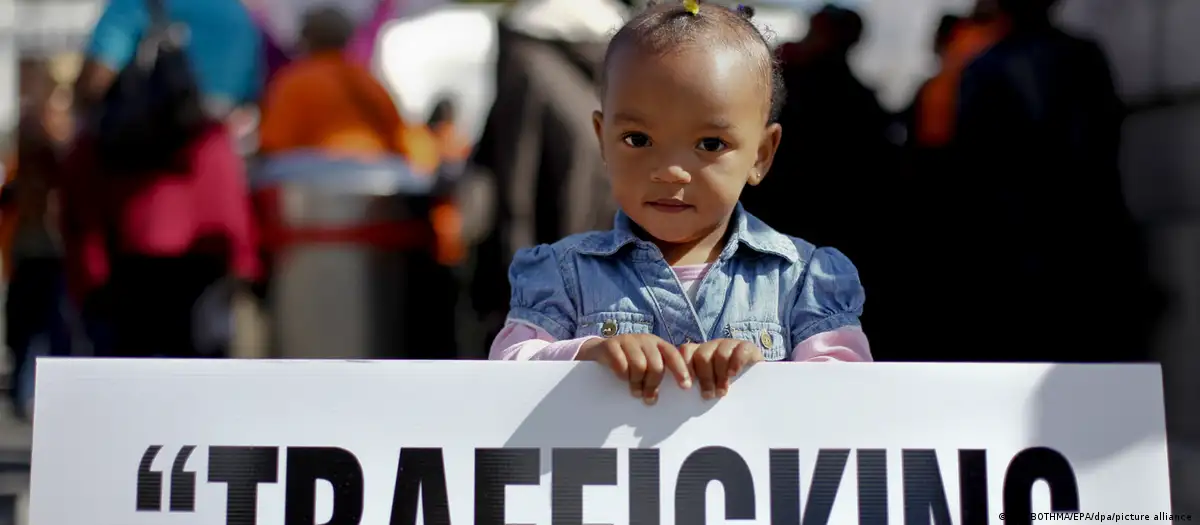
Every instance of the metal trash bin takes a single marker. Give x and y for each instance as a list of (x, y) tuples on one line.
[(345, 242)]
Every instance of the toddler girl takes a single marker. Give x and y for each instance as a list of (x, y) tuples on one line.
[(687, 283)]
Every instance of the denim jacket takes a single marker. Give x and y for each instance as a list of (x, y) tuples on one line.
[(765, 287)]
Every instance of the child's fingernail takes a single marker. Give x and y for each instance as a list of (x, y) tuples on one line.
[(721, 392), (686, 384), (650, 400), (707, 394), (636, 393)]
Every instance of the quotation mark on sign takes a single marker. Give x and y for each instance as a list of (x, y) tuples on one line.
[(150, 482)]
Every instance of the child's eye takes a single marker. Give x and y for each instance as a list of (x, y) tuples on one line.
[(712, 145), (636, 140)]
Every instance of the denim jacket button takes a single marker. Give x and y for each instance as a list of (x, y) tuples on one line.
[(609, 328), (766, 340)]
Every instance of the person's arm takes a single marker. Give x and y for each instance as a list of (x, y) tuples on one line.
[(520, 341), (847, 344), (541, 319), (113, 44), (826, 310)]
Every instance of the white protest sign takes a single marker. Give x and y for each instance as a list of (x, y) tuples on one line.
[(141, 442)]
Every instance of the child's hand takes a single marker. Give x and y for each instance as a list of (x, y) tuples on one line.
[(640, 359), (716, 362)]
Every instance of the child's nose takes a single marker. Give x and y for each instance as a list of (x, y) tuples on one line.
[(673, 174)]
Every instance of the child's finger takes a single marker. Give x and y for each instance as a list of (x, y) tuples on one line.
[(720, 365), (674, 362), (744, 355), (637, 369), (688, 351), (702, 367), (654, 373), (614, 359)]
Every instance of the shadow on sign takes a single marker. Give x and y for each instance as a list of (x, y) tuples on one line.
[(560, 420), (1123, 408)]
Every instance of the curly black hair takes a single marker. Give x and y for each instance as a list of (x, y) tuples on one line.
[(665, 25)]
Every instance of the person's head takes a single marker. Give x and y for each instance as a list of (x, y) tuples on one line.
[(443, 112), (326, 28), (688, 107), (1026, 10), (985, 9), (36, 84), (945, 31), (836, 30)]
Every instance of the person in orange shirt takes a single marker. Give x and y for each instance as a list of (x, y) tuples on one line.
[(326, 102), (961, 43)]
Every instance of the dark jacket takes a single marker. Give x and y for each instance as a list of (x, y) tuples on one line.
[(540, 148)]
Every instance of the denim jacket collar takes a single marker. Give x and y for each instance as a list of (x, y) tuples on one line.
[(748, 232)]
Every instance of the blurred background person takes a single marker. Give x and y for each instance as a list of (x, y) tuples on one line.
[(279, 49), (925, 174), (327, 103), (957, 42), (538, 145), (36, 307), (224, 48), (1043, 232), (942, 38), (152, 246), (834, 150)]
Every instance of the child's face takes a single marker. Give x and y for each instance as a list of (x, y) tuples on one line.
[(682, 134)]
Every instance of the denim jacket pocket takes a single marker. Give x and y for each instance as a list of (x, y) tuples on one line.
[(611, 324), (767, 336)]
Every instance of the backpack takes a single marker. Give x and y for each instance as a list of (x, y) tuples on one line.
[(154, 108)]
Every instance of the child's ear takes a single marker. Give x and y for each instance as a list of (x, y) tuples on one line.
[(598, 124), (766, 153)]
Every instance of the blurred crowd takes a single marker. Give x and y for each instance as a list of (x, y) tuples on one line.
[(1000, 178)]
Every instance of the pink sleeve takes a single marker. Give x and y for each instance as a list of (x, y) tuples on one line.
[(848, 344), (524, 342)]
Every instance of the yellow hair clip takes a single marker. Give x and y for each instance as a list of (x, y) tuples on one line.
[(692, 6)]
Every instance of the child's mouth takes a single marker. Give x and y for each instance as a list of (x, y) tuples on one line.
[(669, 205)]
